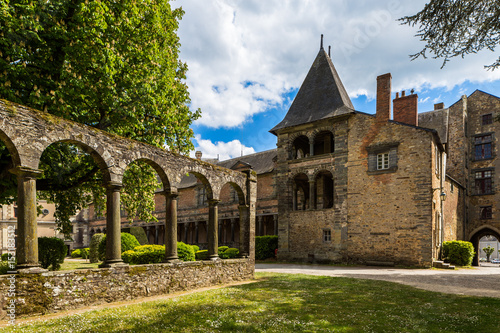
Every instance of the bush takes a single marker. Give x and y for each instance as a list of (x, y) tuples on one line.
[(4, 267), (139, 233), (5, 256), (51, 252), (196, 248), (221, 249), (94, 247), (128, 242), (202, 255), (85, 253), (265, 247), (76, 253), (229, 253), (185, 252), (458, 252)]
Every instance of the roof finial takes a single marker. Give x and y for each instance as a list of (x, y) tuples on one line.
[(329, 51), (321, 46)]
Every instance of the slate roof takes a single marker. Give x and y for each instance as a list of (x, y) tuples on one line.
[(322, 95), (261, 163), (437, 120)]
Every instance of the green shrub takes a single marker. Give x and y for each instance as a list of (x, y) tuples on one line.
[(202, 255), (139, 233), (85, 253), (76, 253), (185, 252), (51, 252), (265, 247), (5, 256), (94, 247), (229, 253), (221, 249), (4, 267), (145, 254), (128, 242), (458, 252), (196, 248)]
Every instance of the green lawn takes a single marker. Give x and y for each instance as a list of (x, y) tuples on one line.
[(69, 265), (287, 303)]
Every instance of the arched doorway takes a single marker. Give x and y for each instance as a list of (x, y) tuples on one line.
[(475, 240)]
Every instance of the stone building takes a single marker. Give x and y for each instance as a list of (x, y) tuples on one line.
[(348, 186)]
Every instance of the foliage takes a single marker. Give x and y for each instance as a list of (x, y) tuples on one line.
[(112, 65), (4, 267), (196, 248), (221, 249), (458, 252), (5, 256), (76, 253), (229, 253), (265, 247), (457, 28), (290, 303), (128, 242), (139, 233), (201, 255), (85, 253), (488, 251), (185, 252), (51, 252), (94, 247), (145, 254)]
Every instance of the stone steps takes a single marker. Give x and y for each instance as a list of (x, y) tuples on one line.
[(442, 264)]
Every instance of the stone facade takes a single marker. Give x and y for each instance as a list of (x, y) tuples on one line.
[(40, 293)]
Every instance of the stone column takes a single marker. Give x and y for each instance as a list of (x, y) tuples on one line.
[(233, 222), (148, 231), (157, 230), (259, 223), (311, 148), (27, 235), (186, 231), (213, 219), (244, 230), (275, 220), (171, 228), (196, 232), (220, 233), (312, 195), (294, 197), (113, 226)]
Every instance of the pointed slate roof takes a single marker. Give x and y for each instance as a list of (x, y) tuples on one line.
[(322, 95)]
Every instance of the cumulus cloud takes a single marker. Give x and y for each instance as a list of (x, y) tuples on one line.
[(243, 56), (223, 150)]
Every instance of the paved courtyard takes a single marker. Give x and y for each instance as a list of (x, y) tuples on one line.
[(478, 281)]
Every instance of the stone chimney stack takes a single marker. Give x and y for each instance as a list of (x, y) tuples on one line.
[(405, 108), (438, 106), (198, 155), (384, 97)]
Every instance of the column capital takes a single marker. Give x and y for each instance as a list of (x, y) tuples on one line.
[(26, 172), (312, 181), (243, 206), (115, 186), (171, 195), (213, 202)]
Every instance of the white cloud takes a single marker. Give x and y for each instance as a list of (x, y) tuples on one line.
[(244, 55), (223, 150)]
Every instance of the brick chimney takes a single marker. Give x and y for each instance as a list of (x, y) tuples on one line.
[(198, 155), (438, 106), (383, 97), (405, 108)]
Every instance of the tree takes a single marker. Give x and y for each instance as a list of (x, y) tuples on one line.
[(452, 28), (112, 65), (488, 250)]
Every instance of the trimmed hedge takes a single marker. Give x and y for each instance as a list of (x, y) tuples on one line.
[(94, 247), (265, 247), (458, 252), (5, 256), (202, 255), (229, 253), (76, 253), (128, 242), (151, 254), (185, 252), (139, 233), (51, 252)]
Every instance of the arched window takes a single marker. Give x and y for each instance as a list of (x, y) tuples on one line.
[(300, 191), (323, 143), (324, 190), (300, 147)]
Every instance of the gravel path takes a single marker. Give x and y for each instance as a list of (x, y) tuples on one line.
[(479, 281)]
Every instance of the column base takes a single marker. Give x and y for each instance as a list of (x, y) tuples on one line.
[(214, 257), (27, 269), (113, 263), (171, 260)]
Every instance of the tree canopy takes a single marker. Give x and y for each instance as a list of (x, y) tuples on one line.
[(112, 65), (452, 28)]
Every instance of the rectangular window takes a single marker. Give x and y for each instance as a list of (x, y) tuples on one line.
[(383, 161), (327, 235), (486, 212), (482, 146), (487, 119), (483, 182)]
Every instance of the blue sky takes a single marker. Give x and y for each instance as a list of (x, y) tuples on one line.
[(248, 58)]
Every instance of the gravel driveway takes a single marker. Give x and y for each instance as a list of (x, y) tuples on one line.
[(478, 281)]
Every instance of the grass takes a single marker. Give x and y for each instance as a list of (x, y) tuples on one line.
[(292, 303), (69, 265)]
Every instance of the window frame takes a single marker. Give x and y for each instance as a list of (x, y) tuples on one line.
[(483, 181), (327, 235), (487, 119), (486, 212), (383, 161), (485, 143), (391, 149)]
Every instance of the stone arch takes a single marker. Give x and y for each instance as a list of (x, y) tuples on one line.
[(300, 191), (299, 146), (323, 140), (11, 147), (103, 164), (479, 233), (324, 189), (162, 173), (237, 189), (203, 179)]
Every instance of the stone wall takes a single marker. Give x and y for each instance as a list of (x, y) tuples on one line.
[(38, 293)]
